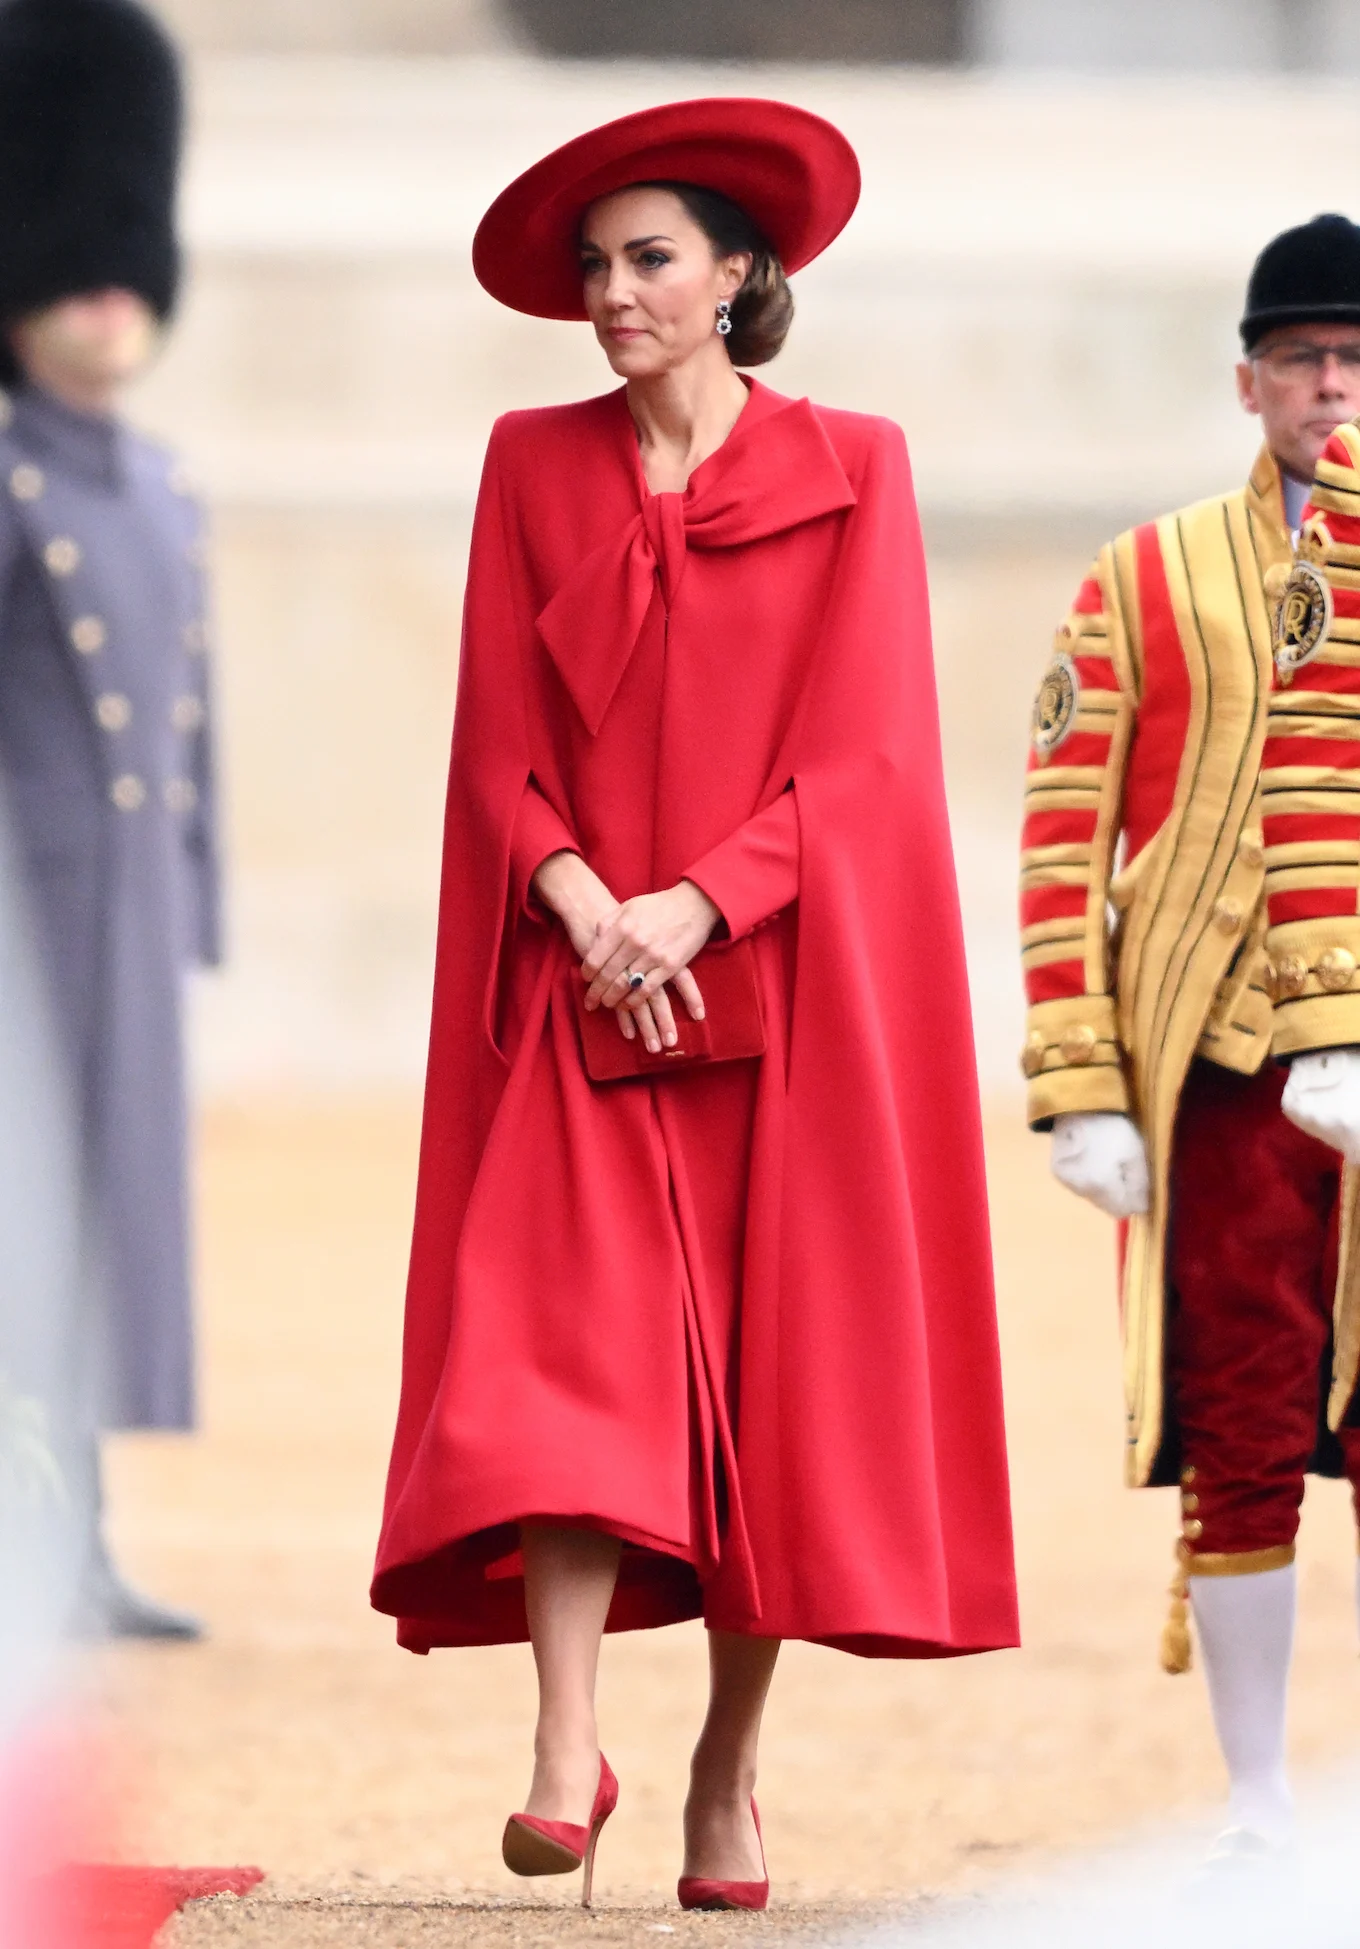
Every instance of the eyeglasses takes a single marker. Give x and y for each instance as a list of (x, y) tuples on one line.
[(1297, 359)]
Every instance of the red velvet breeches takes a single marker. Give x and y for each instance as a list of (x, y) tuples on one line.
[(1253, 1271)]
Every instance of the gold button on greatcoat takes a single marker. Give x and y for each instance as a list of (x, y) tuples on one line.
[(26, 483), (180, 794), (1032, 1055), (62, 555), (89, 634), (1193, 1530), (113, 711), (1335, 969), (186, 713), (1078, 1043), (1291, 977), (128, 792), (1227, 915)]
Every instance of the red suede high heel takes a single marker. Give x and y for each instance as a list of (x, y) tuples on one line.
[(695, 1892), (531, 1846)]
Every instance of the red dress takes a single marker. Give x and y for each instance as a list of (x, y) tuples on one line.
[(743, 1317)]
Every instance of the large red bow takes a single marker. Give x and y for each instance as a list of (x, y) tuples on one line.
[(773, 475)]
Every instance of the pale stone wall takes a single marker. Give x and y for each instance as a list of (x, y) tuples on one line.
[(1167, 36), (1041, 285), (1313, 37), (338, 26)]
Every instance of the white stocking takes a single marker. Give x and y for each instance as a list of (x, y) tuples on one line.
[(1246, 1632)]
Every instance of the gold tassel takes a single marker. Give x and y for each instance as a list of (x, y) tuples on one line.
[(1176, 1649)]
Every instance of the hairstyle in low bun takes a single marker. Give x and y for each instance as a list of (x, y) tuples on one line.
[(762, 310)]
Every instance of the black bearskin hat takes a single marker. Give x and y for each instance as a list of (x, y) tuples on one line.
[(1307, 276), (90, 119)]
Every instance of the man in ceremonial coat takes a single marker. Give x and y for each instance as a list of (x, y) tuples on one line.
[(1186, 780), (104, 755)]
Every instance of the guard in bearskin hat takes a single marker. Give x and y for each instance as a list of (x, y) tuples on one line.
[(1193, 775), (105, 759)]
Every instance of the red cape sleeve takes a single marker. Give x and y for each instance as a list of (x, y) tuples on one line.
[(540, 831), (884, 1198), (753, 873), (488, 776)]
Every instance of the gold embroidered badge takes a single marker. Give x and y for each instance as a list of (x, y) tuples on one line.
[(1303, 615), (1056, 706)]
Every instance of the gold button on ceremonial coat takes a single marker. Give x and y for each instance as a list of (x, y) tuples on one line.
[(1335, 969), (26, 483), (1078, 1043), (62, 555), (1032, 1055), (186, 713), (1250, 850), (89, 634), (1190, 1503), (180, 794), (1193, 1530), (113, 711), (128, 792), (1291, 977), (1188, 1474), (1227, 915)]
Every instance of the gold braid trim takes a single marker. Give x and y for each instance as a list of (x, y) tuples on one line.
[(1346, 1306), (1177, 1653), (1239, 1563)]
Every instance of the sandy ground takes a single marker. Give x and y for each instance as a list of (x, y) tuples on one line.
[(372, 1785)]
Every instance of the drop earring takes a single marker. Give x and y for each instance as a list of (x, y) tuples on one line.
[(724, 318)]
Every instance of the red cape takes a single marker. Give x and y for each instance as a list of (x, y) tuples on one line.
[(743, 1319)]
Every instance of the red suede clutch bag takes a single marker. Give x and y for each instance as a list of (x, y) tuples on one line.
[(733, 1028)]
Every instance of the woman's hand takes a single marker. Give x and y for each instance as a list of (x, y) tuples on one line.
[(655, 935), (579, 898), (585, 906)]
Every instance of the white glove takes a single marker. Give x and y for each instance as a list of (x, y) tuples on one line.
[(1322, 1097), (1100, 1155)]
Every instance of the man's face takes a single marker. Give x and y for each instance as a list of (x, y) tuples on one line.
[(1304, 381), (90, 344)]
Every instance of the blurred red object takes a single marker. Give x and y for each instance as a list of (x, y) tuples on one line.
[(65, 1796), (93, 1906)]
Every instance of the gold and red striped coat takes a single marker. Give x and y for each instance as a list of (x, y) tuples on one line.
[(1191, 854)]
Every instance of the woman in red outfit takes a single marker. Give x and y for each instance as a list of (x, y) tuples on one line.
[(714, 1337)]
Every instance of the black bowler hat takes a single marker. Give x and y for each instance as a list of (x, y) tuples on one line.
[(1306, 276), (90, 122)]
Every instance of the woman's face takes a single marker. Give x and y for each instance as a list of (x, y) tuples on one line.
[(652, 284)]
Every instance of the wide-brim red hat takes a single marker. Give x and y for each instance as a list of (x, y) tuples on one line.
[(793, 173)]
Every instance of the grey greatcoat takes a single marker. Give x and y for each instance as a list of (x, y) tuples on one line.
[(106, 769)]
